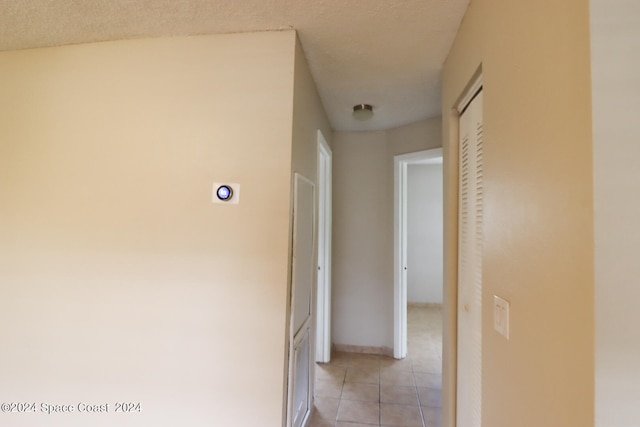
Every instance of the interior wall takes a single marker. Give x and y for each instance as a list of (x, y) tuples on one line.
[(121, 280), (308, 117), (424, 233), (615, 59), (538, 209), (362, 279), (360, 274)]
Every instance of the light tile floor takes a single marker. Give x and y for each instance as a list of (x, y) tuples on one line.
[(357, 390)]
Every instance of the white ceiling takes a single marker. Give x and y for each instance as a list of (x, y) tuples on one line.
[(382, 52)]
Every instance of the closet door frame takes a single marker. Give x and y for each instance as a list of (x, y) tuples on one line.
[(468, 300)]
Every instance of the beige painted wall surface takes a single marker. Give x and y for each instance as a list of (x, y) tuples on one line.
[(538, 232), (360, 285), (121, 281), (424, 233), (308, 117), (363, 229), (616, 90)]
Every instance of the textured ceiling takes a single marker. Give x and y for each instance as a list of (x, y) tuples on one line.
[(382, 52)]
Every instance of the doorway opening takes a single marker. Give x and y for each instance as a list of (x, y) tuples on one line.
[(428, 271)]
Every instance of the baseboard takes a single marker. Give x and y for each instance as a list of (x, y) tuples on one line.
[(424, 304), (347, 348)]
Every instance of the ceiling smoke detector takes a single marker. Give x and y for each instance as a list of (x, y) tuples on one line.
[(362, 112)]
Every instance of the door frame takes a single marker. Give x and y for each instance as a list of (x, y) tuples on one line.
[(323, 309), (451, 170), (400, 165), (474, 87)]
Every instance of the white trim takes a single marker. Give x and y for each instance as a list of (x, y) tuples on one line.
[(475, 86), (400, 164), (450, 305), (323, 324)]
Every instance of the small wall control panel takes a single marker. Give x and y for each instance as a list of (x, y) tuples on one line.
[(226, 193)]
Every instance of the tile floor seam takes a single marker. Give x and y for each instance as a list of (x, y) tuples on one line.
[(363, 363), (418, 396)]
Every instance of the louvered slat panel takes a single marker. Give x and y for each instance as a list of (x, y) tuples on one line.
[(470, 222)]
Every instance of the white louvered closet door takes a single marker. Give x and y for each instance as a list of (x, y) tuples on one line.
[(469, 390)]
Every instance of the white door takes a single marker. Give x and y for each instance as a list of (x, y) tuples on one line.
[(469, 390), (303, 272), (301, 368), (323, 324)]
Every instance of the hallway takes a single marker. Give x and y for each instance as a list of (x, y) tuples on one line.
[(370, 390)]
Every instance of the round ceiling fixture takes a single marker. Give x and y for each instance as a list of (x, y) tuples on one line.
[(362, 112)]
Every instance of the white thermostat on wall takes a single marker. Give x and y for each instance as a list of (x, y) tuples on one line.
[(226, 192)]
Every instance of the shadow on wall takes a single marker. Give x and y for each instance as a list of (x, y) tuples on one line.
[(363, 229), (424, 233)]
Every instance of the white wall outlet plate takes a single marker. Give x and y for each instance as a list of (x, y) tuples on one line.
[(227, 193), (501, 316)]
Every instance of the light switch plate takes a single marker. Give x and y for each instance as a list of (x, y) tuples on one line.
[(501, 316)]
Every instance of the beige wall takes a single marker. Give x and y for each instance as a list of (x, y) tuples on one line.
[(615, 70), (363, 229), (308, 117), (361, 277), (121, 281), (538, 233), (424, 233)]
